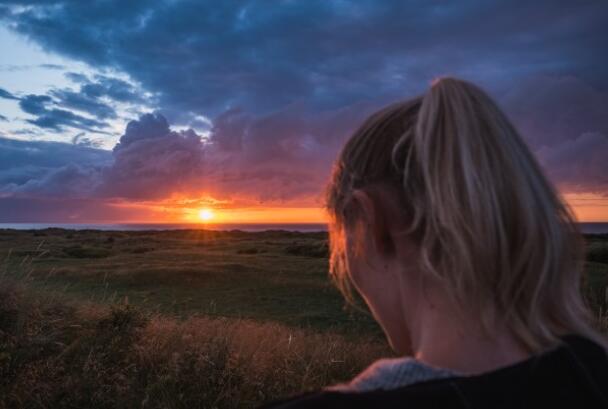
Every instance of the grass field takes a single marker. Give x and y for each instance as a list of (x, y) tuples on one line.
[(270, 276), (184, 318)]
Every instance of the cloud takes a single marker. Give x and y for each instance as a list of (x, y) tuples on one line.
[(152, 161), (48, 169), (83, 102), (149, 126), (76, 77), (554, 109), (26, 67), (70, 210), (7, 95), (283, 157), (114, 88), (71, 180), (56, 118), (52, 66), (89, 107), (271, 163), (95, 98), (274, 91), (35, 104), (15, 154), (205, 57), (564, 121), (579, 164), (83, 140)]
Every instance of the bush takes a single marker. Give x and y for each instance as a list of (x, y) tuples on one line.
[(598, 254), (138, 250), (320, 249), (86, 252), (250, 250)]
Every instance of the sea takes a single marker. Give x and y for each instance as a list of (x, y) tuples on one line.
[(587, 227)]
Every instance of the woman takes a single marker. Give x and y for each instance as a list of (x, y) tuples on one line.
[(443, 222)]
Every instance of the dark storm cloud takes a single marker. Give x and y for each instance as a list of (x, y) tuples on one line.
[(205, 56)]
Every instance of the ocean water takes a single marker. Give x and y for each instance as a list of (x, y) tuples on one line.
[(595, 228)]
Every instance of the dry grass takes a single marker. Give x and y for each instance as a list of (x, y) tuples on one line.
[(54, 354)]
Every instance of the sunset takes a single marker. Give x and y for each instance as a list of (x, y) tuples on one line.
[(303, 204), (95, 128), (206, 214)]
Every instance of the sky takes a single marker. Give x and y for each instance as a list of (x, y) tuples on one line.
[(150, 111)]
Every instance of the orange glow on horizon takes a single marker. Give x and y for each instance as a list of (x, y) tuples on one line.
[(212, 211), (260, 215), (587, 208)]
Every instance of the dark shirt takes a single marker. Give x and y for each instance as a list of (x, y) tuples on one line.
[(573, 375)]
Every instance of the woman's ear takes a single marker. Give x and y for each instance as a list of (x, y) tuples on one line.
[(374, 219)]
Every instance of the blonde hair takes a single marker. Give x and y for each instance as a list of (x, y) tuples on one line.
[(487, 222)]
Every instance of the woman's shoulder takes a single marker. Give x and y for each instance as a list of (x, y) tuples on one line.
[(392, 373), (575, 374)]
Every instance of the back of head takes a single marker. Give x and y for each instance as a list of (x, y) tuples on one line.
[(488, 223)]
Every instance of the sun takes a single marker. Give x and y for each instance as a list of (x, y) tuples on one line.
[(206, 215)]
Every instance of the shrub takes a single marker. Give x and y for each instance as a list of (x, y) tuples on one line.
[(319, 249), (86, 252), (598, 254), (250, 250)]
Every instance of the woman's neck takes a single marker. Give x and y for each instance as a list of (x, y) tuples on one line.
[(442, 338)]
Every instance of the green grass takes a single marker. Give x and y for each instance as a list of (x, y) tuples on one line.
[(267, 276), (273, 276)]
